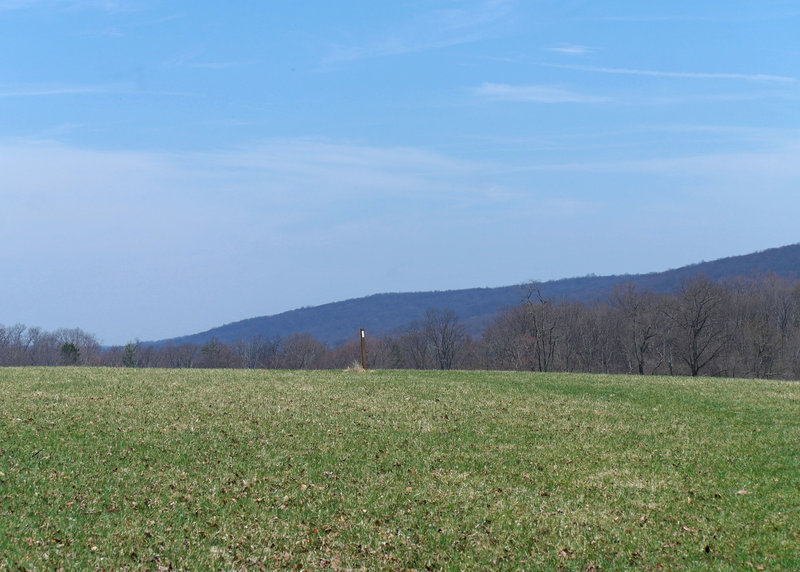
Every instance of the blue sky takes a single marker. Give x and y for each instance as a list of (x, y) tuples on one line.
[(167, 167)]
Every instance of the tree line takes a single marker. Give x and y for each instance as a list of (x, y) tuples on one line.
[(747, 327)]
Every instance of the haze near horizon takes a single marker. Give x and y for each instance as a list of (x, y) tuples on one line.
[(170, 167)]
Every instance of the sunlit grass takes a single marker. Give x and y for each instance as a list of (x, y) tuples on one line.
[(198, 469)]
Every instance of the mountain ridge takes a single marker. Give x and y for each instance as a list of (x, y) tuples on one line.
[(385, 313)]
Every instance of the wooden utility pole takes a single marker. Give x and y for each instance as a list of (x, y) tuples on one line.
[(363, 348)]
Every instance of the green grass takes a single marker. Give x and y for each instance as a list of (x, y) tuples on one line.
[(194, 469)]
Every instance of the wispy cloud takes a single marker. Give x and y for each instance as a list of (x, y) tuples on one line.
[(728, 16), (56, 90), (678, 74), (223, 65), (298, 174), (333, 172), (534, 94), (106, 5), (572, 49), (777, 163), (89, 90), (191, 59), (548, 94), (432, 30), (712, 98), (276, 187), (776, 136)]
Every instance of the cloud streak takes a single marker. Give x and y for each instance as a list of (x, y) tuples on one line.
[(189, 60), (547, 94), (44, 91), (431, 31), (572, 50), (534, 94), (679, 74), (105, 5), (300, 174), (780, 164), (88, 90), (716, 17), (223, 65)]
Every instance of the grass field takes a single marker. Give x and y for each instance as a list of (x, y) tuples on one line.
[(204, 469)]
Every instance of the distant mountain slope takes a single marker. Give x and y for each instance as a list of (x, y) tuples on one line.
[(339, 322)]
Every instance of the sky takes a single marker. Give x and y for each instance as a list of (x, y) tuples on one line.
[(170, 166)]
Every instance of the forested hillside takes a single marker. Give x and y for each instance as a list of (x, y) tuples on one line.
[(735, 317), (381, 314)]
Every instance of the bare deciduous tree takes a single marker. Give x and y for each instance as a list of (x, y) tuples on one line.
[(258, 352), (544, 321), (640, 320), (445, 335), (302, 351), (697, 314), (414, 350), (509, 340), (182, 356)]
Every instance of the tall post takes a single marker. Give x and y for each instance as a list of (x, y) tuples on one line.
[(363, 348)]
